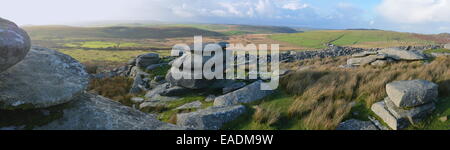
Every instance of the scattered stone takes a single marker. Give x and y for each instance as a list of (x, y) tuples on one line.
[(232, 87), (211, 118), (378, 123), (156, 91), (91, 112), (398, 54), (354, 124), (176, 91), (246, 94), (138, 85), (411, 93), (44, 78), (137, 99), (14, 44), (379, 63), (145, 60), (132, 62), (193, 105)]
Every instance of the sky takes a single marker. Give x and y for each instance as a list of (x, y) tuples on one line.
[(419, 16)]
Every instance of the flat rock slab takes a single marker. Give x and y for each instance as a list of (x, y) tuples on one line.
[(211, 118), (398, 118), (14, 44), (398, 54), (360, 61), (44, 78), (93, 112), (412, 92), (247, 94), (364, 54), (354, 124)]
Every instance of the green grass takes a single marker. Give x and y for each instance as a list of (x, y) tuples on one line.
[(437, 51), (358, 38), (121, 56), (433, 122), (280, 102), (166, 115), (101, 44)]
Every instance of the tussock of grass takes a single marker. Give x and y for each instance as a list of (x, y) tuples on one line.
[(325, 93), (268, 116), (115, 88)]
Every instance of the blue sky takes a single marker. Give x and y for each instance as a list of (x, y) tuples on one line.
[(421, 16)]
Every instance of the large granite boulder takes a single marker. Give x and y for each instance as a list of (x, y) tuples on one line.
[(145, 60), (44, 78), (398, 54), (14, 44), (364, 54), (247, 94), (411, 93), (354, 124), (447, 46), (211, 118), (93, 112)]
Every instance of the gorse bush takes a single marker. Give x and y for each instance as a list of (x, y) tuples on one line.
[(325, 93)]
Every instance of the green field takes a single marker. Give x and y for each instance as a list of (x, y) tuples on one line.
[(357, 38), (108, 56)]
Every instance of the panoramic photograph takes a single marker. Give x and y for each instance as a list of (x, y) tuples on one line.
[(226, 65)]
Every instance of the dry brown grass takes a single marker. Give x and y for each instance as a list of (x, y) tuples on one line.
[(115, 88), (325, 92), (268, 116)]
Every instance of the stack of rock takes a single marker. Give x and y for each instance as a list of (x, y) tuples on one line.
[(408, 102), (384, 57), (188, 66), (44, 89)]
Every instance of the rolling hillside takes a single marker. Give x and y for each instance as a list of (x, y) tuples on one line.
[(55, 32), (355, 38)]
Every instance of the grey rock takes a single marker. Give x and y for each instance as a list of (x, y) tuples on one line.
[(354, 124), (413, 115), (192, 105), (447, 46), (176, 91), (411, 93), (157, 90), (44, 78), (92, 112), (14, 44), (398, 54), (398, 118), (211, 118), (138, 85), (360, 61), (155, 66), (246, 94), (210, 98), (132, 62), (190, 83), (232, 87), (378, 123), (145, 60), (379, 63), (364, 54)]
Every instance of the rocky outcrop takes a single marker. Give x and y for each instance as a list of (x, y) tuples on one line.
[(411, 93), (93, 112), (354, 124), (14, 44), (192, 105), (145, 60), (246, 94), (447, 46), (361, 61), (409, 102), (211, 118), (44, 78), (399, 54)]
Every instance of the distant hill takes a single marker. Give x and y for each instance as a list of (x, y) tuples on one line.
[(318, 39), (46, 32)]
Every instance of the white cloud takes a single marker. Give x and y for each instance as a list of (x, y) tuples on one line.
[(415, 11), (294, 5)]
